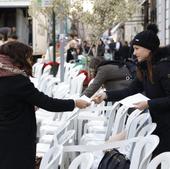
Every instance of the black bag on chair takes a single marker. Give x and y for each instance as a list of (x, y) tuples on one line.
[(114, 160)]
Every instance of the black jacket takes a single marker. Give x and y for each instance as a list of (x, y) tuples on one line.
[(71, 54), (18, 96), (159, 94)]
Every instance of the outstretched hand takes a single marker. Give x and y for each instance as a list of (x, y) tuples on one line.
[(98, 98), (81, 104)]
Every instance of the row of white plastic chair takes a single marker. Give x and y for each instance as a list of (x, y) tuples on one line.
[(140, 160), (115, 120)]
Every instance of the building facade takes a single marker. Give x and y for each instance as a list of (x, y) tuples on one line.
[(150, 11), (14, 13), (163, 21)]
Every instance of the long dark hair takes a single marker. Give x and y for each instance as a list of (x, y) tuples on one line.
[(148, 68), (20, 54)]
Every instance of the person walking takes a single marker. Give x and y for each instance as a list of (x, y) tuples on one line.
[(153, 78), (18, 98)]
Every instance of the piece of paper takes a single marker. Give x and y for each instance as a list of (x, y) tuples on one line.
[(86, 98), (130, 100)]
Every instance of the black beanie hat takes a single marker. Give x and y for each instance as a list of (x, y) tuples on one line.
[(148, 39)]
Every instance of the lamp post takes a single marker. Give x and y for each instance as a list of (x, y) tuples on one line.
[(54, 68), (62, 45), (54, 36)]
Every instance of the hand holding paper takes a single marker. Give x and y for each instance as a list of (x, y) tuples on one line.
[(141, 105), (138, 101)]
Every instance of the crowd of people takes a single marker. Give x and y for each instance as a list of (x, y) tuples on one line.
[(19, 96)]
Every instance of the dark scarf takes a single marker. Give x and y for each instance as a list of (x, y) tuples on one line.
[(7, 68)]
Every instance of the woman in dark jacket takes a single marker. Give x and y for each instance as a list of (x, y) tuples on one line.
[(111, 75), (153, 78), (18, 96)]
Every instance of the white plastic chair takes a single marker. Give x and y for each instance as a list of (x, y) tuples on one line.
[(84, 161), (77, 85), (141, 155), (47, 69), (51, 158), (162, 159), (134, 130), (37, 69), (117, 123), (142, 152)]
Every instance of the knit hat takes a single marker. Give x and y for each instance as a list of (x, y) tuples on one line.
[(148, 39)]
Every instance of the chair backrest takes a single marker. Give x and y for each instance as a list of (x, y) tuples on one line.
[(143, 151), (68, 67), (60, 91), (60, 131), (68, 136), (162, 159), (77, 84), (51, 158), (47, 69), (120, 119), (147, 130), (84, 161), (42, 82), (131, 117), (116, 120), (80, 80), (53, 82), (136, 126), (37, 69)]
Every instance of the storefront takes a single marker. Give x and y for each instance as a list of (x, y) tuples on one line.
[(14, 13)]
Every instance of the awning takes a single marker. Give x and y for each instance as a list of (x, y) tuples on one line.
[(14, 3)]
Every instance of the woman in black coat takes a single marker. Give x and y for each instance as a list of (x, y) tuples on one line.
[(153, 78), (18, 96)]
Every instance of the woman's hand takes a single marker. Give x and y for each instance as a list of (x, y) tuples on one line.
[(81, 104), (99, 97), (141, 105)]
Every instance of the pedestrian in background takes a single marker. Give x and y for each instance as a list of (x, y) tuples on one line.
[(18, 98), (153, 78), (71, 51), (7, 31)]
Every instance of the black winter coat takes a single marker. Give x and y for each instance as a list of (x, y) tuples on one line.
[(71, 54), (159, 103), (18, 96)]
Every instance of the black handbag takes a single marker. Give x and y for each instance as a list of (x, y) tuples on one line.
[(113, 159)]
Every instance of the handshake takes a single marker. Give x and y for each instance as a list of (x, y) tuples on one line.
[(84, 101)]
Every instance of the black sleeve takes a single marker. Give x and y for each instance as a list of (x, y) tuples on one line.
[(26, 91), (135, 87), (163, 103)]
